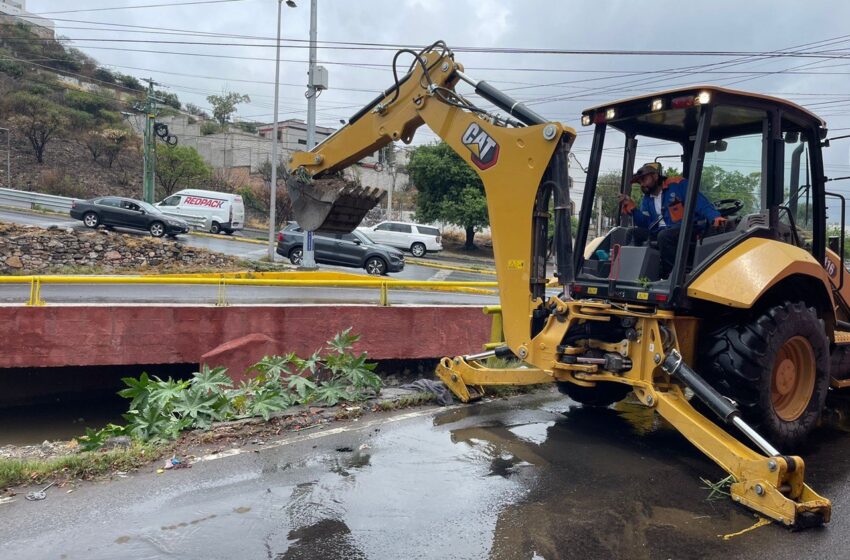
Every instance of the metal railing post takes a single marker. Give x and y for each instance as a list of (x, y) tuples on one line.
[(35, 293)]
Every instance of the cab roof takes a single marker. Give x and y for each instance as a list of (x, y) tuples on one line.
[(736, 113)]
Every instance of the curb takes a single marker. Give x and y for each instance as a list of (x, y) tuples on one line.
[(451, 267)]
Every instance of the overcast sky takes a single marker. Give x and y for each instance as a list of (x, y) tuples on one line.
[(576, 81)]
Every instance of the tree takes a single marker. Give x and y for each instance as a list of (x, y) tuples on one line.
[(93, 142), (718, 183), (449, 190), (607, 192), (129, 82), (193, 109), (39, 119), (115, 141), (169, 99), (262, 196), (179, 166), (225, 105), (104, 75)]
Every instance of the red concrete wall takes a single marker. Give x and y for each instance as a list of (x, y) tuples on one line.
[(57, 335)]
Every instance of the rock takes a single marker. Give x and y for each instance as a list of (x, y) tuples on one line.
[(112, 255), (14, 262), (117, 441)]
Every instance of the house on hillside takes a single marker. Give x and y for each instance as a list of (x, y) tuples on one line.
[(15, 11), (292, 133)]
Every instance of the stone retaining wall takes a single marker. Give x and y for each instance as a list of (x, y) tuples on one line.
[(32, 249)]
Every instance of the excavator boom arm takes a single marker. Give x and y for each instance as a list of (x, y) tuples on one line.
[(521, 160)]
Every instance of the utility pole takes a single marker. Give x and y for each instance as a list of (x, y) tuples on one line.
[(273, 182), (8, 157), (150, 145), (308, 261)]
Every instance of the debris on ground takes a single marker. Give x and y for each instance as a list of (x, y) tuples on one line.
[(39, 494), (437, 388)]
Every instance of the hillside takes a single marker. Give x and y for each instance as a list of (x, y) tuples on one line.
[(67, 116), (68, 134)]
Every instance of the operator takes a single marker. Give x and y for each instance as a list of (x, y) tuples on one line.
[(662, 209)]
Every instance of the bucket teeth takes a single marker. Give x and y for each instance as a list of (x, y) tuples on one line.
[(334, 206)]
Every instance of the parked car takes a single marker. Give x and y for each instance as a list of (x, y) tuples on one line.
[(215, 211), (347, 249), (419, 239), (114, 211)]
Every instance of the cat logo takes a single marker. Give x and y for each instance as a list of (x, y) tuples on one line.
[(485, 150)]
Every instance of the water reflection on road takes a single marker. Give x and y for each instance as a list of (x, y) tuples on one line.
[(531, 477)]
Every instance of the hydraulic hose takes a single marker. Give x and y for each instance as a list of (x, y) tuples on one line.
[(720, 405)]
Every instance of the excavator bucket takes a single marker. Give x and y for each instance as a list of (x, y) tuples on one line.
[(332, 205)]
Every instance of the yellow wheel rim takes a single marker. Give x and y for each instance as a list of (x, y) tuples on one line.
[(793, 378)]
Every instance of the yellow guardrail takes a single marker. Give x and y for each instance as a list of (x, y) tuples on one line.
[(222, 281)]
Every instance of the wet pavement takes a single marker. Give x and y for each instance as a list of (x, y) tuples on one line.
[(531, 477)]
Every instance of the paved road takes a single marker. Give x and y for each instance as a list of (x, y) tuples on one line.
[(194, 294), (243, 250), (530, 477)]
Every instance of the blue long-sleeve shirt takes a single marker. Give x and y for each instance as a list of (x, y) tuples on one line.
[(672, 195)]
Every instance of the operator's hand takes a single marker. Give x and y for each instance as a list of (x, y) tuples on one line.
[(719, 222), (626, 204)]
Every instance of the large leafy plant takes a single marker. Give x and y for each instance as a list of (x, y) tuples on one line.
[(161, 409)]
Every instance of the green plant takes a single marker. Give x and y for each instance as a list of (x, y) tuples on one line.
[(160, 409), (210, 127)]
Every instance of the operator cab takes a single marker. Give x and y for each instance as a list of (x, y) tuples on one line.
[(756, 159)]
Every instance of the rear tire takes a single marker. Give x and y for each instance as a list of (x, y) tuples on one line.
[(418, 249), (91, 219), (776, 368), (602, 395), (215, 228), (296, 256)]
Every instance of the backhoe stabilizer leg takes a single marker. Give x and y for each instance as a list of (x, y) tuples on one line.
[(460, 375), (770, 485)]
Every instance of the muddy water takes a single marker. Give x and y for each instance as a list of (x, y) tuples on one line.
[(59, 420), (534, 477)]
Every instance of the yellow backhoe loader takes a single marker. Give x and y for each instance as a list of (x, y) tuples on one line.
[(750, 322)]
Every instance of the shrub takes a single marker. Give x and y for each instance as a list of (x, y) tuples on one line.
[(161, 409), (210, 127)]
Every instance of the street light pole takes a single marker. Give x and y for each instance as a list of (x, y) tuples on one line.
[(308, 258), (273, 189), (8, 156)]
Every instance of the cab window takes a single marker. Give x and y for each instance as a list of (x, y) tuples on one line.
[(170, 201), (384, 227)]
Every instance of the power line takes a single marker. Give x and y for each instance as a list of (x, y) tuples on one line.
[(167, 5), (479, 50)]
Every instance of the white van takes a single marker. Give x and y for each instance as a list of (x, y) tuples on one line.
[(210, 210)]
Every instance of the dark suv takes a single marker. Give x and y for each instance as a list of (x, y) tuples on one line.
[(347, 249), (111, 211)]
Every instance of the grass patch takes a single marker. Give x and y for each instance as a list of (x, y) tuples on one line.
[(504, 391), (86, 465)]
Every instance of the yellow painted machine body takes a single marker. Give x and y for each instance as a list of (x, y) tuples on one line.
[(742, 275)]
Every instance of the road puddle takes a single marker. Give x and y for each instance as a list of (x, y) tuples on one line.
[(532, 477)]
